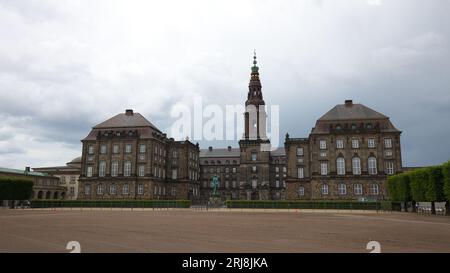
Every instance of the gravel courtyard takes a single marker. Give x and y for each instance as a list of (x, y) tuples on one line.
[(188, 230)]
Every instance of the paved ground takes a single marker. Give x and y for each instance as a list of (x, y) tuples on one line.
[(220, 231)]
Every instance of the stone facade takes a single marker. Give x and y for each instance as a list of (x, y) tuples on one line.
[(348, 155), (127, 157), (45, 186), (68, 176)]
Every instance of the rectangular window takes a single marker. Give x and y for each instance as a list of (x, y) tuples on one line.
[(72, 191), (234, 170), (355, 143), (388, 153), (390, 167), (115, 148), (142, 148), (254, 155), (125, 189), (277, 169), (127, 168), (322, 144), (340, 144), (112, 189), (174, 191), (387, 143), (91, 149), (174, 174), (102, 168), (99, 189), (72, 179), (323, 168), (87, 189), (103, 149), (277, 183), (140, 189), (254, 169), (141, 170), (254, 183), (371, 143), (128, 148), (300, 151), (89, 171), (300, 173), (323, 154), (114, 168), (234, 184)]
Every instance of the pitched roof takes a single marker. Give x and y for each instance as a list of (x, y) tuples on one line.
[(125, 120), (350, 111), (280, 151), (22, 172), (233, 152)]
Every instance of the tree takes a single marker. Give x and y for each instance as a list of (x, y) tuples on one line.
[(418, 179), (434, 186), (446, 175), (399, 189), (15, 189)]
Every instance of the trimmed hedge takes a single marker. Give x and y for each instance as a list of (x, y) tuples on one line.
[(110, 203), (15, 188), (300, 204)]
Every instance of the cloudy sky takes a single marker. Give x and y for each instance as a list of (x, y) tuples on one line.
[(68, 65)]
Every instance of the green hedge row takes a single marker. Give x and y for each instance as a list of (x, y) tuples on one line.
[(110, 203), (15, 188), (351, 205)]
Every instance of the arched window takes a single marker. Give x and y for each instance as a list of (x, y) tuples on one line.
[(114, 168), (340, 165), (356, 165), (127, 168), (101, 168), (372, 165), (342, 189), (374, 189), (112, 189), (301, 191), (358, 189), (324, 189)]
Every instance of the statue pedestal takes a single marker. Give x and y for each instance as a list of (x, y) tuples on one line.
[(215, 201)]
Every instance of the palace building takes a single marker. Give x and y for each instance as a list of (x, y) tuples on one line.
[(348, 155), (127, 157)]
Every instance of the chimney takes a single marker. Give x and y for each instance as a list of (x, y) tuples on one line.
[(348, 103), (129, 112), (229, 148), (27, 169), (210, 148)]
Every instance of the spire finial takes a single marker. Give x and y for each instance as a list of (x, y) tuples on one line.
[(254, 57)]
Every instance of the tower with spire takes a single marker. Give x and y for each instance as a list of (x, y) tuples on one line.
[(255, 108), (254, 145)]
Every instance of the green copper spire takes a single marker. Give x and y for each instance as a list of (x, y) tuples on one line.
[(254, 67)]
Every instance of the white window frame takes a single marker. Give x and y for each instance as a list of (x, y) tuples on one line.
[(340, 165), (141, 170), (322, 144), (301, 191), (140, 189), (342, 189), (371, 143), (89, 171), (102, 168), (374, 189), (356, 165), (372, 165), (125, 189), (388, 143), (324, 189), (355, 143), (300, 172), (324, 168), (127, 168), (358, 189), (299, 151), (390, 167), (128, 148), (142, 148), (116, 148), (112, 189), (99, 189), (339, 144)]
